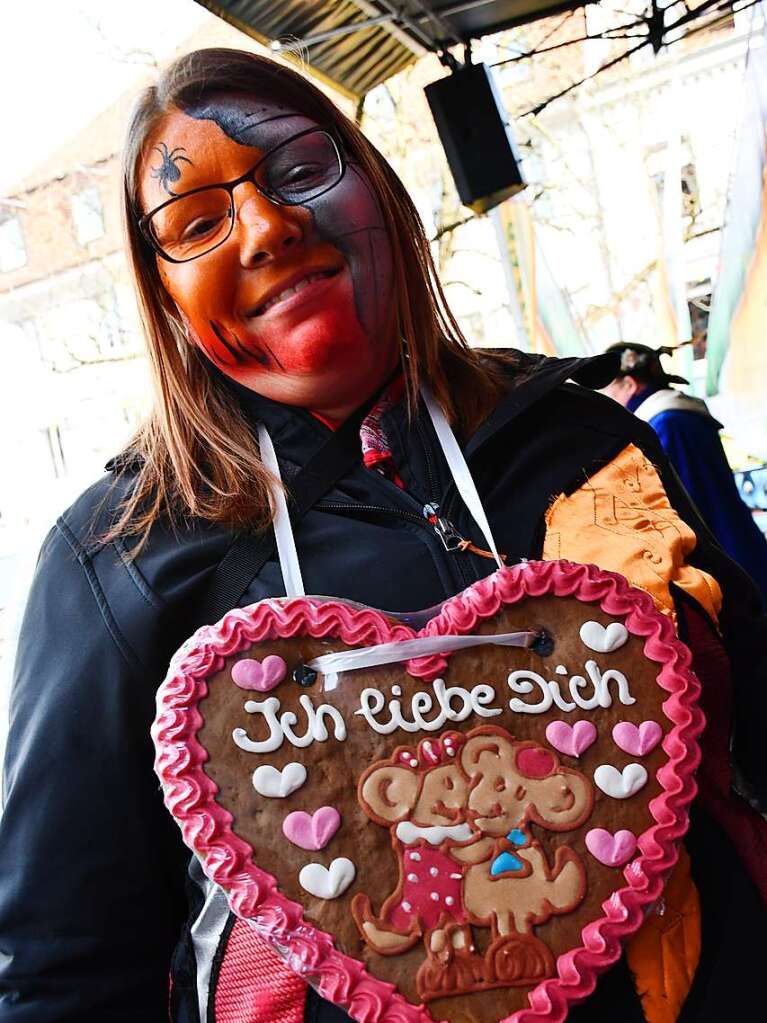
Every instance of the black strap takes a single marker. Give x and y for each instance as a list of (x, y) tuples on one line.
[(250, 551)]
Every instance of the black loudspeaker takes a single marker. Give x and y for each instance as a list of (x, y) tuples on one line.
[(476, 138)]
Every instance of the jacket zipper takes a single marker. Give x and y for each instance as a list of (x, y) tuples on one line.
[(431, 476), (447, 533), (451, 539)]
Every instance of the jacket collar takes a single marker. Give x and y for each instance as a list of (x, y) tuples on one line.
[(543, 376), (297, 434)]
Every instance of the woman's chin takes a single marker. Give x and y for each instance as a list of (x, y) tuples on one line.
[(313, 346)]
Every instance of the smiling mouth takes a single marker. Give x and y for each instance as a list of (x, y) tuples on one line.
[(293, 289)]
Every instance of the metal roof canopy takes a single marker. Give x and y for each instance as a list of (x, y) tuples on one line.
[(390, 35)]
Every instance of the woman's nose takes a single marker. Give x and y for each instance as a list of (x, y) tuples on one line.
[(264, 229)]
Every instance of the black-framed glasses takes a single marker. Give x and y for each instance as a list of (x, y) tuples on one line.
[(296, 171)]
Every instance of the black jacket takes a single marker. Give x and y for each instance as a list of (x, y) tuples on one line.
[(92, 894)]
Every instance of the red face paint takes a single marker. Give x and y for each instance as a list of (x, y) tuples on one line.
[(297, 302)]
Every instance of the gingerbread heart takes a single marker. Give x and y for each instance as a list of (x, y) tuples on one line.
[(462, 795)]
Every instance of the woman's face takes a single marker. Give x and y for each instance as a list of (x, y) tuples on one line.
[(297, 303)]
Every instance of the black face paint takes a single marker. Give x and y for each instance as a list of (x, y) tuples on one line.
[(239, 353), (169, 171), (240, 119), (348, 216)]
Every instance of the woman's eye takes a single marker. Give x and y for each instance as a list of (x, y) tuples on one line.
[(201, 228), (448, 783), (303, 176)]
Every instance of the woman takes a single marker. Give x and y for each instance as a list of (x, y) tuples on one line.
[(284, 277)]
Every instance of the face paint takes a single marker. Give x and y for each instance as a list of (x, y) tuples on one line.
[(297, 303), (169, 171)]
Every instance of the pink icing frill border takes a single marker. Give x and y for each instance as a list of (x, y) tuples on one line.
[(190, 794)]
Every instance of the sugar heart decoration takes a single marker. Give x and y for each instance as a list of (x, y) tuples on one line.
[(612, 850), (637, 740), (603, 640), (311, 830), (205, 767), (327, 882), (259, 676), (269, 781), (572, 740), (620, 784)]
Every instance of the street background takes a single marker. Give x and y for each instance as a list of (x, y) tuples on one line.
[(633, 179)]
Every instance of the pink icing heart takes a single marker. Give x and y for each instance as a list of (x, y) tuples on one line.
[(571, 739), (612, 850), (259, 675), (637, 741), (311, 831)]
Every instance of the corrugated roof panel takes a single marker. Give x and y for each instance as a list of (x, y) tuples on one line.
[(343, 60), (357, 61)]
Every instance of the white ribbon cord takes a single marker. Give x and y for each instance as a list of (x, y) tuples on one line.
[(460, 470), (283, 531), (393, 653)]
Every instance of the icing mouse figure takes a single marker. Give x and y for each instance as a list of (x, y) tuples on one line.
[(510, 885), (422, 797)]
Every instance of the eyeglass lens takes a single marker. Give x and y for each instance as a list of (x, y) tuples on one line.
[(295, 172)]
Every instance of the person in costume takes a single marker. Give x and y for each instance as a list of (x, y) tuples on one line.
[(690, 437), (284, 278)]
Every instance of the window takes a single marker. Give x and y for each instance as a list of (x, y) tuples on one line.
[(87, 214), (13, 253)]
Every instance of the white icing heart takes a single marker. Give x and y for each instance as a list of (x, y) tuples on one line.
[(603, 640), (269, 781), (620, 784), (327, 882)]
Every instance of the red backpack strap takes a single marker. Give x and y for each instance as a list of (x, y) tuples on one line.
[(253, 984)]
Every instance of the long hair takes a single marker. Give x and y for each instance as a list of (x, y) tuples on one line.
[(196, 455)]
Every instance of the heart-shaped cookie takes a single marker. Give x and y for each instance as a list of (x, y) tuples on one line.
[(492, 845)]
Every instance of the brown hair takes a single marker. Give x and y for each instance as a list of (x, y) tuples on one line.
[(196, 455)]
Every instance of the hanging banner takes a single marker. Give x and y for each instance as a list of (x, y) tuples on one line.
[(737, 319), (548, 320)]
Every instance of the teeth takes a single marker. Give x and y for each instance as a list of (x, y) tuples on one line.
[(293, 290)]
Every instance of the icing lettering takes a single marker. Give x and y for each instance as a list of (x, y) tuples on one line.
[(454, 702), (525, 681), (269, 709), (430, 709), (520, 682), (281, 728), (600, 682)]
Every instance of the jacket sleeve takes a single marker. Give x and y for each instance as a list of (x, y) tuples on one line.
[(91, 882)]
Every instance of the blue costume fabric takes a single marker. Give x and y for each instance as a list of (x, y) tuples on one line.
[(689, 435)]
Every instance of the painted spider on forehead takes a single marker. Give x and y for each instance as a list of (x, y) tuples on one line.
[(169, 171)]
